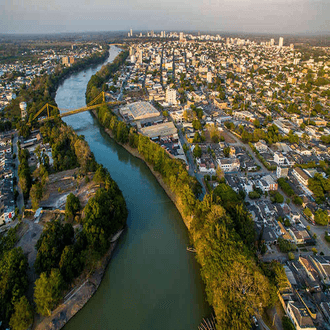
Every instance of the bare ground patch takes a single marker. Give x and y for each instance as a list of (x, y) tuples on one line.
[(60, 185)]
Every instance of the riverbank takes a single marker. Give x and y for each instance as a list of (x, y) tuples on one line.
[(77, 298), (134, 152)]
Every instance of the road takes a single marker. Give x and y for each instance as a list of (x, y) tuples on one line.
[(120, 96), (192, 166), (322, 245), (20, 199), (248, 148)]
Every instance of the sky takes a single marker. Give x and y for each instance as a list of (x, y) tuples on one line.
[(247, 16)]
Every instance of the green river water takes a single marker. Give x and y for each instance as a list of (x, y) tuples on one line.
[(152, 281)]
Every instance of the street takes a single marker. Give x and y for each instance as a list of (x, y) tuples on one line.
[(20, 199)]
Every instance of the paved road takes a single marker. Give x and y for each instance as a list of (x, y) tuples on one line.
[(248, 148), (192, 166), (20, 199)]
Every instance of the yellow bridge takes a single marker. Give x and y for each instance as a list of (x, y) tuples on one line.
[(68, 112)]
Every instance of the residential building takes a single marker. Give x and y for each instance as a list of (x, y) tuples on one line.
[(298, 314), (229, 164), (171, 96), (282, 172), (301, 176), (280, 42)]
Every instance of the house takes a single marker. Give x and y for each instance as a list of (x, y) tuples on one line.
[(325, 306), (322, 266), (298, 314), (279, 159), (267, 183), (284, 232), (261, 146), (300, 235), (229, 164), (282, 172)]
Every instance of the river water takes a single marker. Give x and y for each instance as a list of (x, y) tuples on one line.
[(152, 281)]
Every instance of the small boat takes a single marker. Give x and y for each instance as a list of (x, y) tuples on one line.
[(116, 236), (191, 249)]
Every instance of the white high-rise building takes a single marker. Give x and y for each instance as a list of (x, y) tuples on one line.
[(22, 106), (171, 96), (272, 42), (209, 77), (140, 56), (280, 42), (181, 36), (131, 31)]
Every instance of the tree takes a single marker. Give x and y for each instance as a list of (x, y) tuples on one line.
[(308, 212), (51, 244), (23, 315), (291, 256), (197, 125), (285, 245), (297, 200), (256, 123), (321, 217), (36, 195), (226, 151), (47, 292), (197, 151), (254, 194), (71, 263), (278, 198), (105, 214), (72, 206), (287, 324), (13, 280)]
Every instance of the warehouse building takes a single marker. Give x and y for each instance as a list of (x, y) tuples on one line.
[(138, 111), (158, 131)]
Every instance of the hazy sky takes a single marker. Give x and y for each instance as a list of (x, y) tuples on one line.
[(264, 16)]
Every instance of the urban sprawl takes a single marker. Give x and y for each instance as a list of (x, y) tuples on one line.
[(255, 114)]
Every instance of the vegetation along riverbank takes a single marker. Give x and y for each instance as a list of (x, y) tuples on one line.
[(220, 227)]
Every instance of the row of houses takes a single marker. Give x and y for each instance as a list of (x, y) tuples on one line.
[(305, 298), (7, 201)]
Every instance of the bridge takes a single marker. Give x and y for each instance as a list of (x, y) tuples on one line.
[(69, 112)]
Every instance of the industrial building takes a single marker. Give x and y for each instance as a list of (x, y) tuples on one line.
[(139, 111), (158, 131)]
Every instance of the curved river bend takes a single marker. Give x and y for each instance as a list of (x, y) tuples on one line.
[(152, 282)]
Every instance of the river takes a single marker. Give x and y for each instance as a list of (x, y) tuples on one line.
[(152, 281)]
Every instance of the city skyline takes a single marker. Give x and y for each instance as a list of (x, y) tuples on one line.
[(253, 16)]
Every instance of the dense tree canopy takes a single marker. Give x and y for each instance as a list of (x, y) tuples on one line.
[(13, 281), (51, 244), (47, 291), (22, 318)]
